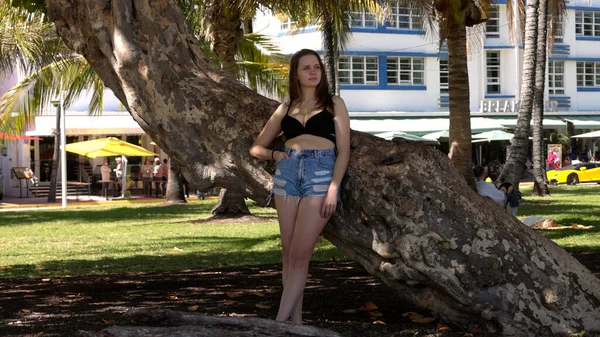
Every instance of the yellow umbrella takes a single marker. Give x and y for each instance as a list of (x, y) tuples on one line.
[(105, 147)]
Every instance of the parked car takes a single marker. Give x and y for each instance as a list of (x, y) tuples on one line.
[(574, 174)]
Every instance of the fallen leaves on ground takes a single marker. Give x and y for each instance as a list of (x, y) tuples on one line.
[(417, 318), (443, 327), (350, 311), (109, 321), (375, 314), (25, 311), (173, 298), (369, 306), (378, 322), (193, 308), (233, 294), (263, 306), (256, 293)]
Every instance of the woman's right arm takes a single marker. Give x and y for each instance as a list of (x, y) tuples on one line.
[(271, 130)]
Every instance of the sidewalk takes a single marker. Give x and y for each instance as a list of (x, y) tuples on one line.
[(9, 203)]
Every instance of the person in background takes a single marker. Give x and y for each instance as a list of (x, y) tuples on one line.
[(165, 176), (512, 199), (487, 189), (157, 177), (105, 171), (147, 178), (307, 181)]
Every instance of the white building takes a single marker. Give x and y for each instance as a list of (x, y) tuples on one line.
[(393, 78)]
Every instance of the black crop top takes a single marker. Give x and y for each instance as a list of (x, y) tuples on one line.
[(320, 125)]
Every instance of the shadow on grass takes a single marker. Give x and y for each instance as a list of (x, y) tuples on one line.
[(221, 252)]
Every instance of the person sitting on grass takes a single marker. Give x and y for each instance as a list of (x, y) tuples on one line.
[(512, 199), (487, 189)]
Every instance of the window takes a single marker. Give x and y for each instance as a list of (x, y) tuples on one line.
[(287, 24), (406, 70), (444, 76), (363, 19), (492, 25), (358, 70), (587, 23), (558, 31), (588, 74), (405, 17), (492, 62), (556, 77)]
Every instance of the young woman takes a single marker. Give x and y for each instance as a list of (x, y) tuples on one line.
[(309, 172)]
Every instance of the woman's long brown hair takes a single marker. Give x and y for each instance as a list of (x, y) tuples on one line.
[(324, 97)]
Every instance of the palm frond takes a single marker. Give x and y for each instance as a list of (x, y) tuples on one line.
[(34, 93), (260, 65), (27, 40)]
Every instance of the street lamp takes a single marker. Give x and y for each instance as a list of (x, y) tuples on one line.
[(59, 103)]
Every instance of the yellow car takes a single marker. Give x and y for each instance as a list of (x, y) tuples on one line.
[(574, 174)]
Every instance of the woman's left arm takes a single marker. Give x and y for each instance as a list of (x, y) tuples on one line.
[(342, 139)]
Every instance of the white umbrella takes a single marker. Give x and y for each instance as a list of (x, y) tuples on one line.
[(593, 134), (437, 135), (399, 134), (490, 136)]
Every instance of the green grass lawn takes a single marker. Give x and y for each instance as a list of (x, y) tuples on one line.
[(135, 238), (569, 205), (148, 237)]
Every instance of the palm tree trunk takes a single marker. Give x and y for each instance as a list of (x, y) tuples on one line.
[(460, 116), (517, 154), (540, 187), (330, 53), (55, 159)]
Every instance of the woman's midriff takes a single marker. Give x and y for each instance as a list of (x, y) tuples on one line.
[(309, 142)]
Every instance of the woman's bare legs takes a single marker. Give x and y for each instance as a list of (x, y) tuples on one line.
[(287, 208), (307, 228)]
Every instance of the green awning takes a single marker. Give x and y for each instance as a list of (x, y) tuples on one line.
[(584, 122), (418, 126), (548, 122)]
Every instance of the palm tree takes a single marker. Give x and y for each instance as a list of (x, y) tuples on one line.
[(540, 186), (454, 19), (532, 92)]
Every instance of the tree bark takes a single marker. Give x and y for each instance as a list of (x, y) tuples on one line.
[(408, 215), (55, 159), (160, 322), (519, 148), (224, 31), (458, 93), (540, 187), (230, 204), (175, 193)]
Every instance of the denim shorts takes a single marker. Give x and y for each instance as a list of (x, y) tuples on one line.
[(307, 173)]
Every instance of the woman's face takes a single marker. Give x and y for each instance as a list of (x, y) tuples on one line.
[(309, 71)]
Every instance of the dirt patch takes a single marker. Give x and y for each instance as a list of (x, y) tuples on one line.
[(335, 293), (218, 219)]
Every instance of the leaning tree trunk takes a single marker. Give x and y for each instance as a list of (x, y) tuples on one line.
[(223, 21), (409, 216), (460, 109), (540, 186), (55, 159), (175, 193), (519, 148)]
